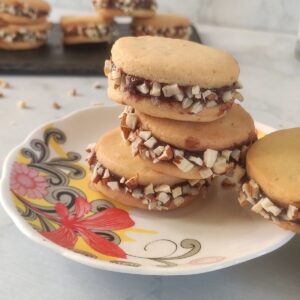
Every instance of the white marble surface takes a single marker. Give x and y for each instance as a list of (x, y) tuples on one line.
[(280, 15), (271, 79)]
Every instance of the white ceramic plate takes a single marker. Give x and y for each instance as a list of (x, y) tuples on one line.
[(49, 167)]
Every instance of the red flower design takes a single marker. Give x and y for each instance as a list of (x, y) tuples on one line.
[(75, 224)]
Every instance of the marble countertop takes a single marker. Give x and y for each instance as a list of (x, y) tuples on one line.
[(271, 78)]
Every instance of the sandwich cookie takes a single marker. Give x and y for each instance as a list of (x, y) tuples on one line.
[(166, 25), (124, 178), (200, 151), (172, 78), (24, 11), (85, 29), (273, 187), (135, 8), (24, 37)]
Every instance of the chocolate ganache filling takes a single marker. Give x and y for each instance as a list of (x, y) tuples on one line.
[(96, 31), (182, 32), (251, 194), (192, 98), (209, 162), (23, 35), (125, 5), (158, 197), (22, 10)]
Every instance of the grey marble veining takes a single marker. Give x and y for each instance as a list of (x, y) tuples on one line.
[(271, 79), (274, 15)]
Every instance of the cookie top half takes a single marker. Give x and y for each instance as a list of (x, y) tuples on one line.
[(274, 163), (83, 20), (188, 63), (25, 29), (233, 130)]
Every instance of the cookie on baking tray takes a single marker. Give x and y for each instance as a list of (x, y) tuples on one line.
[(24, 11), (135, 8), (24, 37), (86, 29), (166, 25)]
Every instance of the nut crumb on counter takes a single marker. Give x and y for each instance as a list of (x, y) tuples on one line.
[(72, 92), (56, 105), (22, 104), (96, 103), (4, 84), (97, 85)]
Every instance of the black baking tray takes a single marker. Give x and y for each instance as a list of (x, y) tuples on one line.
[(57, 59)]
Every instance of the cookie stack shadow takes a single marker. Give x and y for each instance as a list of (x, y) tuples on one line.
[(23, 24), (180, 129)]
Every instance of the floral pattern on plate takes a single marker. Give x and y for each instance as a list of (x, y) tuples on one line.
[(52, 192)]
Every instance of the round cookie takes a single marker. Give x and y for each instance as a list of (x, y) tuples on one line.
[(19, 46), (167, 25), (273, 188), (24, 11), (134, 8), (194, 152), (125, 178), (75, 40), (235, 129), (85, 29), (116, 156), (24, 37), (162, 60), (152, 75), (274, 163)]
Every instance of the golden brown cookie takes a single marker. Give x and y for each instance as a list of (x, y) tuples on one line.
[(135, 8), (152, 75), (185, 150), (24, 11), (119, 175), (24, 37), (166, 25), (86, 29), (273, 188)]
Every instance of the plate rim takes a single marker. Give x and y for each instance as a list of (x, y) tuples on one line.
[(33, 235)]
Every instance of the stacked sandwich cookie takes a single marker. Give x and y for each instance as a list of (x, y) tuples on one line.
[(24, 24), (165, 153), (171, 78)]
